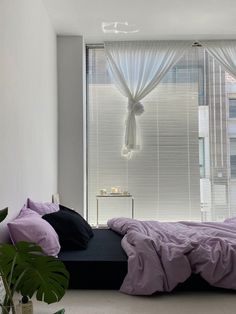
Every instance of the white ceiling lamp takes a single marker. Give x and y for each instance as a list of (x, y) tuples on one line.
[(119, 28)]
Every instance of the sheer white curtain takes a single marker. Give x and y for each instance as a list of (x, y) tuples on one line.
[(136, 68), (224, 51)]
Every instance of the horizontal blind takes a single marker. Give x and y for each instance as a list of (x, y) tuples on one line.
[(164, 177)]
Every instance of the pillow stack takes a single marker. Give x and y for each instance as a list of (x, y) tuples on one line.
[(52, 226)]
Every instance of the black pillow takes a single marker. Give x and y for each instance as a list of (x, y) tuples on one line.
[(73, 231)]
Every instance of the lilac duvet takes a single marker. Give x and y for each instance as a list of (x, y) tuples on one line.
[(161, 255)]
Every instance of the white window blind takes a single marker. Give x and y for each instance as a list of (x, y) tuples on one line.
[(191, 104), (164, 177)]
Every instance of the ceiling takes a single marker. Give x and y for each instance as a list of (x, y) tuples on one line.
[(155, 19)]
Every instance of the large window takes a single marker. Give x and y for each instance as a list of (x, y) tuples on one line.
[(183, 167)]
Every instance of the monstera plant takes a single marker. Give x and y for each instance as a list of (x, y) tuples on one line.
[(26, 270)]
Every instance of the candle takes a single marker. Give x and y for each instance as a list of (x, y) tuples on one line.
[(114, 190), (103, 192)]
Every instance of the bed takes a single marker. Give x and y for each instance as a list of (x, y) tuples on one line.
[(104, 265)]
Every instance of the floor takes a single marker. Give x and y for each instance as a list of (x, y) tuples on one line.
[(114, 302)]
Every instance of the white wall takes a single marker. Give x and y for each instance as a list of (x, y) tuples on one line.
[(71, 95), (28, 104)]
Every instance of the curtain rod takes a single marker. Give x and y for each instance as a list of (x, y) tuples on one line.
[(101, 45)]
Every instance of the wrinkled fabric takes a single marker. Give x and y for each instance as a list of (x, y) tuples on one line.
[(163, 254), (224, 51)]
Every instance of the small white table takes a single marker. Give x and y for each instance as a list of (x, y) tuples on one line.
[(116, 196)]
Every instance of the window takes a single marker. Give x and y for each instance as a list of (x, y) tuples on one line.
[(184, 126), (232, 108)]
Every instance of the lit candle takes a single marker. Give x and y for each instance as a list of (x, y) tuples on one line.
[(114, 190)]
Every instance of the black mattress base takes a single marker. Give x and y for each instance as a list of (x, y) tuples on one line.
[(197, 283), (104, 265), (96, 275)]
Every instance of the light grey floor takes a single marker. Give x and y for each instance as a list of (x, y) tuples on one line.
[(114, 302)]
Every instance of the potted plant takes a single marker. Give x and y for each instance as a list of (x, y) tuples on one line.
[(26, 270)]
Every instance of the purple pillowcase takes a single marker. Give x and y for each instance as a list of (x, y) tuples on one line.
[(42, 208), (30, 227)]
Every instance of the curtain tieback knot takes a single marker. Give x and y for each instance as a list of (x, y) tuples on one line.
[(135, 107)]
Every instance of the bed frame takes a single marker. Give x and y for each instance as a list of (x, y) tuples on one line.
[(103, 265)]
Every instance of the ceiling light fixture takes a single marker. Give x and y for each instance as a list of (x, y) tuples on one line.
[(119, 28)]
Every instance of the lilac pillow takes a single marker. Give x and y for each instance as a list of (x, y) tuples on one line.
[(30, 227), (42, 208)]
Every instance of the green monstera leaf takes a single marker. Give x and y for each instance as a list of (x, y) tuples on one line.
[(28, 271), (3, 214)]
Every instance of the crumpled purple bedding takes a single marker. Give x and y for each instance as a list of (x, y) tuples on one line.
[(163, 254)]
